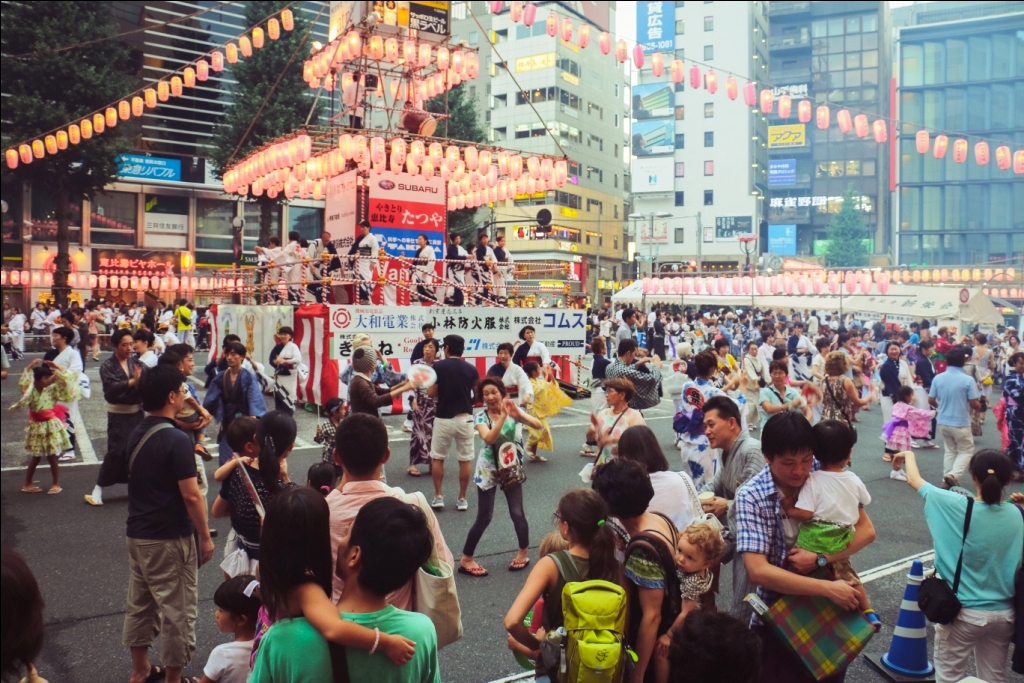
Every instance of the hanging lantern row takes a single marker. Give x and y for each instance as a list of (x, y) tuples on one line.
[(136, 104), (473, 176), (1005, 292), (765, 100)]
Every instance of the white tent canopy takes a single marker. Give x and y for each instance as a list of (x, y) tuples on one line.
[(906, 301)]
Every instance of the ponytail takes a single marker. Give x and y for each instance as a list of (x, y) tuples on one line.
[(275, 434), (586, 513), (992, 471)]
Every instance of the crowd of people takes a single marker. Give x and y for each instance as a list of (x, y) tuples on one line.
[(335, 575)]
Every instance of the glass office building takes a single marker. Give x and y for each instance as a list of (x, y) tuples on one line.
[(961, 75)]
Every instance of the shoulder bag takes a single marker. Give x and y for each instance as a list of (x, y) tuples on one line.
[(936, 599), (511, 475), (142, 442), (433, 588)]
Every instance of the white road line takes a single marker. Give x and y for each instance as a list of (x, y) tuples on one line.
[(577, 410), (84, 442)]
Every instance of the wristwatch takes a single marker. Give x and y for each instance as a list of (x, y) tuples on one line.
[(822, 561)]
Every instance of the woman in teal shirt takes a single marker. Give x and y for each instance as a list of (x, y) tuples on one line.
[(992, 556), (779, 396)]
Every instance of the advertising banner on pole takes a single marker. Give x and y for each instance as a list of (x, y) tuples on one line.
[(340, 208), (656, 25), (401, 207)]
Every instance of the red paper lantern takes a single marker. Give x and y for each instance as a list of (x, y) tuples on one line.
[(677, 71), (843, 121), (567, 29), (694, 77), (621, 51), (880, 130), (731, 87), (803, 111), (941, 144), (822, 116), (981, 153), (785, 106), (657, 64), (604, 42), (515, 11), (1018, 162), (923, 141), (711, 81), (860, 125), (749, 94), (960, 150), (552, 24), (767, 101), (638, 56), (529, 14), (1003, 157), (583, 36)]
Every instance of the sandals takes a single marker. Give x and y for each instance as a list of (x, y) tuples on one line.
[(887, 457), (31, 489), (587, 453), (201, 451), (413, 472), (155, 673), (476, 571), (54, 490), (518, 565), (537, 458)]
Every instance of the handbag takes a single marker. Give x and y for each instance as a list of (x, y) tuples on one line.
[(433, 588), (936, 599), (511, 475)]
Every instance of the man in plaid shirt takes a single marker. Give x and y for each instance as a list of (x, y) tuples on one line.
[(766, 539), (645, 379)]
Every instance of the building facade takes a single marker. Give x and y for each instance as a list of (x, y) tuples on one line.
[(839, 53), (167, 199), (961, 71), (546, 95), (699, 160)]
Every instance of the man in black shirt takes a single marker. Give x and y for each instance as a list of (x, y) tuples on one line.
[(165, 512), (417, 351), (454, 421)]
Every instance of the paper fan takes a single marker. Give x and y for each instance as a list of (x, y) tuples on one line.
[(693, 396), (422, 376), (507, 455)]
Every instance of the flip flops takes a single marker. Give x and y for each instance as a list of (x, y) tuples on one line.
[(476, 571), (54, 490), (537, 458), (31, 489), (413, 472), (518, 565)]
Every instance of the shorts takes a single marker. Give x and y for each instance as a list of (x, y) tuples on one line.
[(844, 570), (458, 429)]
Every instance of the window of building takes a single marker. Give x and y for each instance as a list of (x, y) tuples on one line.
[(680, 233), (709, 197), (709, 52), (566, 131), (709, 138), (680, 197), (44, 218), (114, 218), (595, 109), (616, 153), (566, 199), (681, 53), (680, 141), (616, 207), (574, 168), (213, 229), (570, 100), (680, 27), (474, 37), (568, 65), (680, 169), (594, 141), (487, 116), (536, 95), (869, 23), (499, 134), (956, 61), (251, 231), (709, 110), (680, 113), (709, 168), (595, 203), (500, 102), (709, 23), (616, 180)]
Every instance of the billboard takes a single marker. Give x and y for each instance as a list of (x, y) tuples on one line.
[(790, 135), (781, 172), (340, 208), (653, 100), (403, 206), (656, 25), (782, 239), (648, 233), (653, 174), (654, 138), (730, 227)]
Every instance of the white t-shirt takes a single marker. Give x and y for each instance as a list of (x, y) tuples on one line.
[(834, 496), (606, 328), (672, 497), (149, 358), (229, 663), (812, 325)]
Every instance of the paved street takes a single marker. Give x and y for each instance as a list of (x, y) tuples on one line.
[(78, 553)]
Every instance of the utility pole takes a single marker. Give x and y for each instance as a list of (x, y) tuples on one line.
[(700, 245), (650, 249), (597, 279)]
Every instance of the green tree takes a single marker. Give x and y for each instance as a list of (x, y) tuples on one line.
[(286, 110), (48, 88), (462, 124), (846, 235)]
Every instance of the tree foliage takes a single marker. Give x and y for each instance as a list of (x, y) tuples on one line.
[(286, 110), (462, 123), (846, 235), (46, 90)]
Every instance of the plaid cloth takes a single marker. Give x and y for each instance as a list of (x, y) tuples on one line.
[(759, 524), (645, 382), (826, 638)]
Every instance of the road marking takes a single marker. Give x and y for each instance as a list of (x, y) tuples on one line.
[(895, 566), (577, 410), (84, 442)]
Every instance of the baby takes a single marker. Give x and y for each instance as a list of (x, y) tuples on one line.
[(829, 506), (699, 547)]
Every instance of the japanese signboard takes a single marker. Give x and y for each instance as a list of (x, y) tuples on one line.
[(395, 330), (137, 262), (148, 168), (781, 172), (166, 223), (340, 208), (535, 62), (782, 240), (656, 25), (790, 135), (653, 175), (401, 207), (425, 16), (730, 227)]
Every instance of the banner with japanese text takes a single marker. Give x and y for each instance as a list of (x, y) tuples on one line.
[(395, 330), (401, 207)]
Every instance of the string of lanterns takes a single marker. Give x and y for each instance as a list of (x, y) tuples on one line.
[(474, 175), (765, 100), (135, 104)]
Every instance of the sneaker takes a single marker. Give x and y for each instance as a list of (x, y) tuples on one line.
[(437, 503), (898, 475), (462, 505), (203, 453)]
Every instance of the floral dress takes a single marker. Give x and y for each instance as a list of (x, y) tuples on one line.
[(422, 426), (1013, 393), (486, 476), (548, 401), (46, 434), (612, 423)]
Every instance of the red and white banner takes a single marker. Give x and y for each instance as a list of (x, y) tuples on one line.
[(313, 337)]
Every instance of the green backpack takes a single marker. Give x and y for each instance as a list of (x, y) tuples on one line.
[(594, 615)]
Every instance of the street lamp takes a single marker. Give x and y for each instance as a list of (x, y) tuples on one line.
[(748, 245), (650, 248)]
